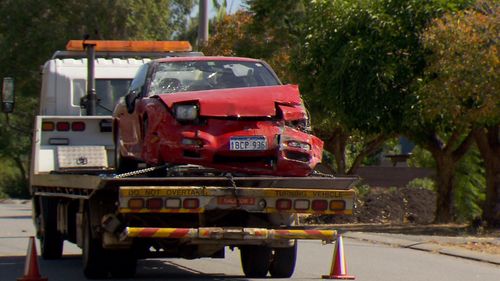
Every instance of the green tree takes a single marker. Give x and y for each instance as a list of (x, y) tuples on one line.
[(359, 61), (356, 64), (470, 187), (267, 30), (30, 31), (459, 97)]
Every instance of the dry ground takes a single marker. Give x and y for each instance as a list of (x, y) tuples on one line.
[(409, 211)]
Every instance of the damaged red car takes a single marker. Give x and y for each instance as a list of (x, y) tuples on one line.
[(224, 113)]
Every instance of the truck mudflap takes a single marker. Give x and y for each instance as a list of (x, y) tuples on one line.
[(224, 233)]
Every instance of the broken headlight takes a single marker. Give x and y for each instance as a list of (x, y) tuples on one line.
[(186, 112)]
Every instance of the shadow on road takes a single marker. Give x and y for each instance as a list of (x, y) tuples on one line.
[(70, 268), (15, 217)]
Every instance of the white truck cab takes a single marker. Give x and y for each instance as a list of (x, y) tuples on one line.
[(64, 84)]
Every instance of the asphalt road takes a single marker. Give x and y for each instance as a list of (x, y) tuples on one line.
[(365, 260)]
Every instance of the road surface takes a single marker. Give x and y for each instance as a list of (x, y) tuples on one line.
[(367, 261)]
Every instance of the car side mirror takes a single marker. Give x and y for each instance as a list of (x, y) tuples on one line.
[(130, 101), (8, 95)]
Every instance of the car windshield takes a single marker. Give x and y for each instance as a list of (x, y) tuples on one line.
[(171, 77)]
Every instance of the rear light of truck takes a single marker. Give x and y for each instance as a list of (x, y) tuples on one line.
[(62, 126), (176, 204), (78, 126), (48, 126), (173, 203), (191, 203), (301, 204), (319, 205), (283, 204), (136, 203), (154, 203), (337, 205)]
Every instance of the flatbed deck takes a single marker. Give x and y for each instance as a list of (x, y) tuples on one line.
[(82, 186)]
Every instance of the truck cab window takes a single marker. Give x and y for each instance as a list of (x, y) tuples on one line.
[(109, 92)]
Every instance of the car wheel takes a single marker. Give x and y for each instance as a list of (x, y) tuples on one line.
[(51, 240), (255, 260), (283, 262)]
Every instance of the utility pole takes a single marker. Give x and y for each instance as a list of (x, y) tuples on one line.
[(203, 23)]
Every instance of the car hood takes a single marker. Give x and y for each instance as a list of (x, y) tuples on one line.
[(238, 102)]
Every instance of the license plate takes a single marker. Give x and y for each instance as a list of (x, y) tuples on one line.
[(248, 143)]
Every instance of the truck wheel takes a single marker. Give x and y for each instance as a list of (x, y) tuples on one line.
[(94, 257), (255, 260), (283, 262), (51, 240), (123, 264)]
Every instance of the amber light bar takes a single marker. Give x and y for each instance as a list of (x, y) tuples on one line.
[(131, 46)]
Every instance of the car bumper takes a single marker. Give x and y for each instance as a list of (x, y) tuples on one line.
[(289, 151)]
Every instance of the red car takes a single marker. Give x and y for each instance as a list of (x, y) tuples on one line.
[(225, 113)]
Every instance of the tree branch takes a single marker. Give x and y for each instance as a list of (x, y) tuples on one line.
[(368, 149), (481, 138), (16, 128), (433, 143)]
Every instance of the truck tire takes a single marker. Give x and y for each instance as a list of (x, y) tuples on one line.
[(94, 257), (283, 262), (51, 240), (255, 260)]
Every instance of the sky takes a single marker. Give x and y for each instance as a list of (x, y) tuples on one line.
[(232, 7)]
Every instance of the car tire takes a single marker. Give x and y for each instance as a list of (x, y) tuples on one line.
[(255, 260), (51, 240), (283, 262)]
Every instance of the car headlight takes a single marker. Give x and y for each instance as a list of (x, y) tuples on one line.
[(186, 112), (298, 144)]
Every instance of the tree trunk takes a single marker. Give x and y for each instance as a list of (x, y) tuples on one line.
[(445, 182), (339, 145), (369, 148), (491, 209), (335, 143), (20, 166), (488, 143)]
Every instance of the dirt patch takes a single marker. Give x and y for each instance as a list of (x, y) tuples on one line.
[(388, 205), (483, 247)]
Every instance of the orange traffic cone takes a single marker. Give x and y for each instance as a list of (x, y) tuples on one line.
[(31, 270), (339, 266)]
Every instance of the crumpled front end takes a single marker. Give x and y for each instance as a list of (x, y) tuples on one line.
[(277, 144)]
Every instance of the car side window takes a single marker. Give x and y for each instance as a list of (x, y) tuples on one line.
[(139, 81)]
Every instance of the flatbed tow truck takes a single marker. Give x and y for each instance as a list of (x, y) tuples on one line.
[(193, 212)]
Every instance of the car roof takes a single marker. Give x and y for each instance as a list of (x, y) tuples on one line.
[(206, 58)]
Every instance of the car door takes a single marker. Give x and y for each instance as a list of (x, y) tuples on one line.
[(129, 116)]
